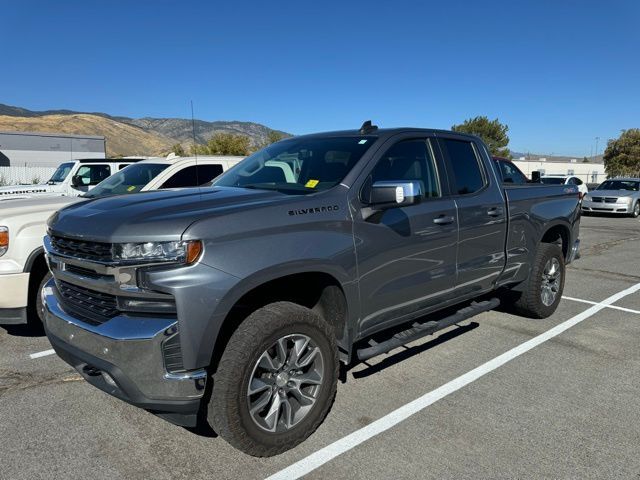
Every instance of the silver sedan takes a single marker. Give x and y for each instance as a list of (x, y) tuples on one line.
[(618, 195)]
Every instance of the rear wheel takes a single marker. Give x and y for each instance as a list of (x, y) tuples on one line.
[(276, 380), (543, 290), (635, 212)]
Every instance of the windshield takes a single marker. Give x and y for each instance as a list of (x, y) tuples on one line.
[(552, 180), (299, 165), (619, 185), (61, 173), (128, 180)]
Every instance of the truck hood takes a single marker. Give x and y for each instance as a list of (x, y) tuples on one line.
[(14, 207), (161, 215)]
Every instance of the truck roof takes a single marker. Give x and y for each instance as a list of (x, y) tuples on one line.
[(102, 160), (174, 160), (384, 132)]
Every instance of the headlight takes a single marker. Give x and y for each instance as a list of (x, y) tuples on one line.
[(4, 240), (624, 200), (182, 252)]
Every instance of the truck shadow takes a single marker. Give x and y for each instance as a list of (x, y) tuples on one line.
[(30, 330)]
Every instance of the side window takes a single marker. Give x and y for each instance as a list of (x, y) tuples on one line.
[(93, 174), (578, 181), (206, 173), (190, 177), (510, 173), (468, 176), (409, 160)]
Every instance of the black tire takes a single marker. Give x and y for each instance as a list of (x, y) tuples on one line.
[(636, 210), (529, 302), (228, 411), (36, 307)]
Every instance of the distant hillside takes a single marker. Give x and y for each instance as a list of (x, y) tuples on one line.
[(122, 139), (128, 136), (554, 158)]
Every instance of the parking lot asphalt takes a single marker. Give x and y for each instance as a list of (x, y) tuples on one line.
[(565, 408)]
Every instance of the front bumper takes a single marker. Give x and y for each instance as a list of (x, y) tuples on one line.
[(14, 297), (602, 207), (123, 357)]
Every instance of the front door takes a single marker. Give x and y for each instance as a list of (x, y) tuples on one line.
[(406, 255)]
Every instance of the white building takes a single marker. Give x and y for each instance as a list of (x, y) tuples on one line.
[(34, 149), (587, 172)]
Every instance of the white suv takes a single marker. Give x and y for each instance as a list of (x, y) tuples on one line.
[(566, 180), (23, 269)]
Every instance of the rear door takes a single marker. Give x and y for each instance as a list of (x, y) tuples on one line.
[(406, 255), (481, 213)]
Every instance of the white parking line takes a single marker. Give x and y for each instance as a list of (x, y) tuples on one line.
[(629, 310), (42, 354), (331, 451)]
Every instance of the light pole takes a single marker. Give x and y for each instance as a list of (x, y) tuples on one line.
[(597, 139)]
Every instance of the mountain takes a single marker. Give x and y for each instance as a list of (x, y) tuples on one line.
[(554, 158), (125, 135), (122, 139)]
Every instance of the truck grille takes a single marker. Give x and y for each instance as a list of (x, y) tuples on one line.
[(96, 251), (93, 307), (604, 199)]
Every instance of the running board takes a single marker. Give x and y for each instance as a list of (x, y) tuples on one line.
[(419, 330)]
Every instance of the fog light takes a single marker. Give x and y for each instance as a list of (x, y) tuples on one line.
[(149, 306)]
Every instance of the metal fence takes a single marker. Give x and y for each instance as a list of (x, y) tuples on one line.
[(25, 175)]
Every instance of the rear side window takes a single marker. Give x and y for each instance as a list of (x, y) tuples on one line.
[(510, 173), (190, 177), (468, 176)]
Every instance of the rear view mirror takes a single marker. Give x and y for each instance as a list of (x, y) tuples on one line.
[(395, 193)]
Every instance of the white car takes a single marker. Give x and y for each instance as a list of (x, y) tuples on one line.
[(23, 269), (566, 180), (71, 179)]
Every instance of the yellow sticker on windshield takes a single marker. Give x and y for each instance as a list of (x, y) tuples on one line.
[(312, 183), (131, 188)]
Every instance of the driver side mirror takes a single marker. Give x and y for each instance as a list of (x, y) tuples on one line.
[(77, 181), (535, 176), (395, 193)]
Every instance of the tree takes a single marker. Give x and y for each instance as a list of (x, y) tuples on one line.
[(585, 160), (272, 137), (622, 155), (179, 150), (492, 132), (225, 144)]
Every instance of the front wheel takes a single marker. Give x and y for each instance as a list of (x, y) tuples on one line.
[(543, 289), (276, 380), (636, 210)]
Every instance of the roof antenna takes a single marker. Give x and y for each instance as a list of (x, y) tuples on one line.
[(367, 127), (195, 148)]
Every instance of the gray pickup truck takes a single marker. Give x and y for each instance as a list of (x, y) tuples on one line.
[(236, 303)]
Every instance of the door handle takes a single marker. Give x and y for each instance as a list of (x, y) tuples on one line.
[(443, 220), (495, 211)]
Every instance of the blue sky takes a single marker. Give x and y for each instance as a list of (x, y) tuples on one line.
[(559, 73)]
